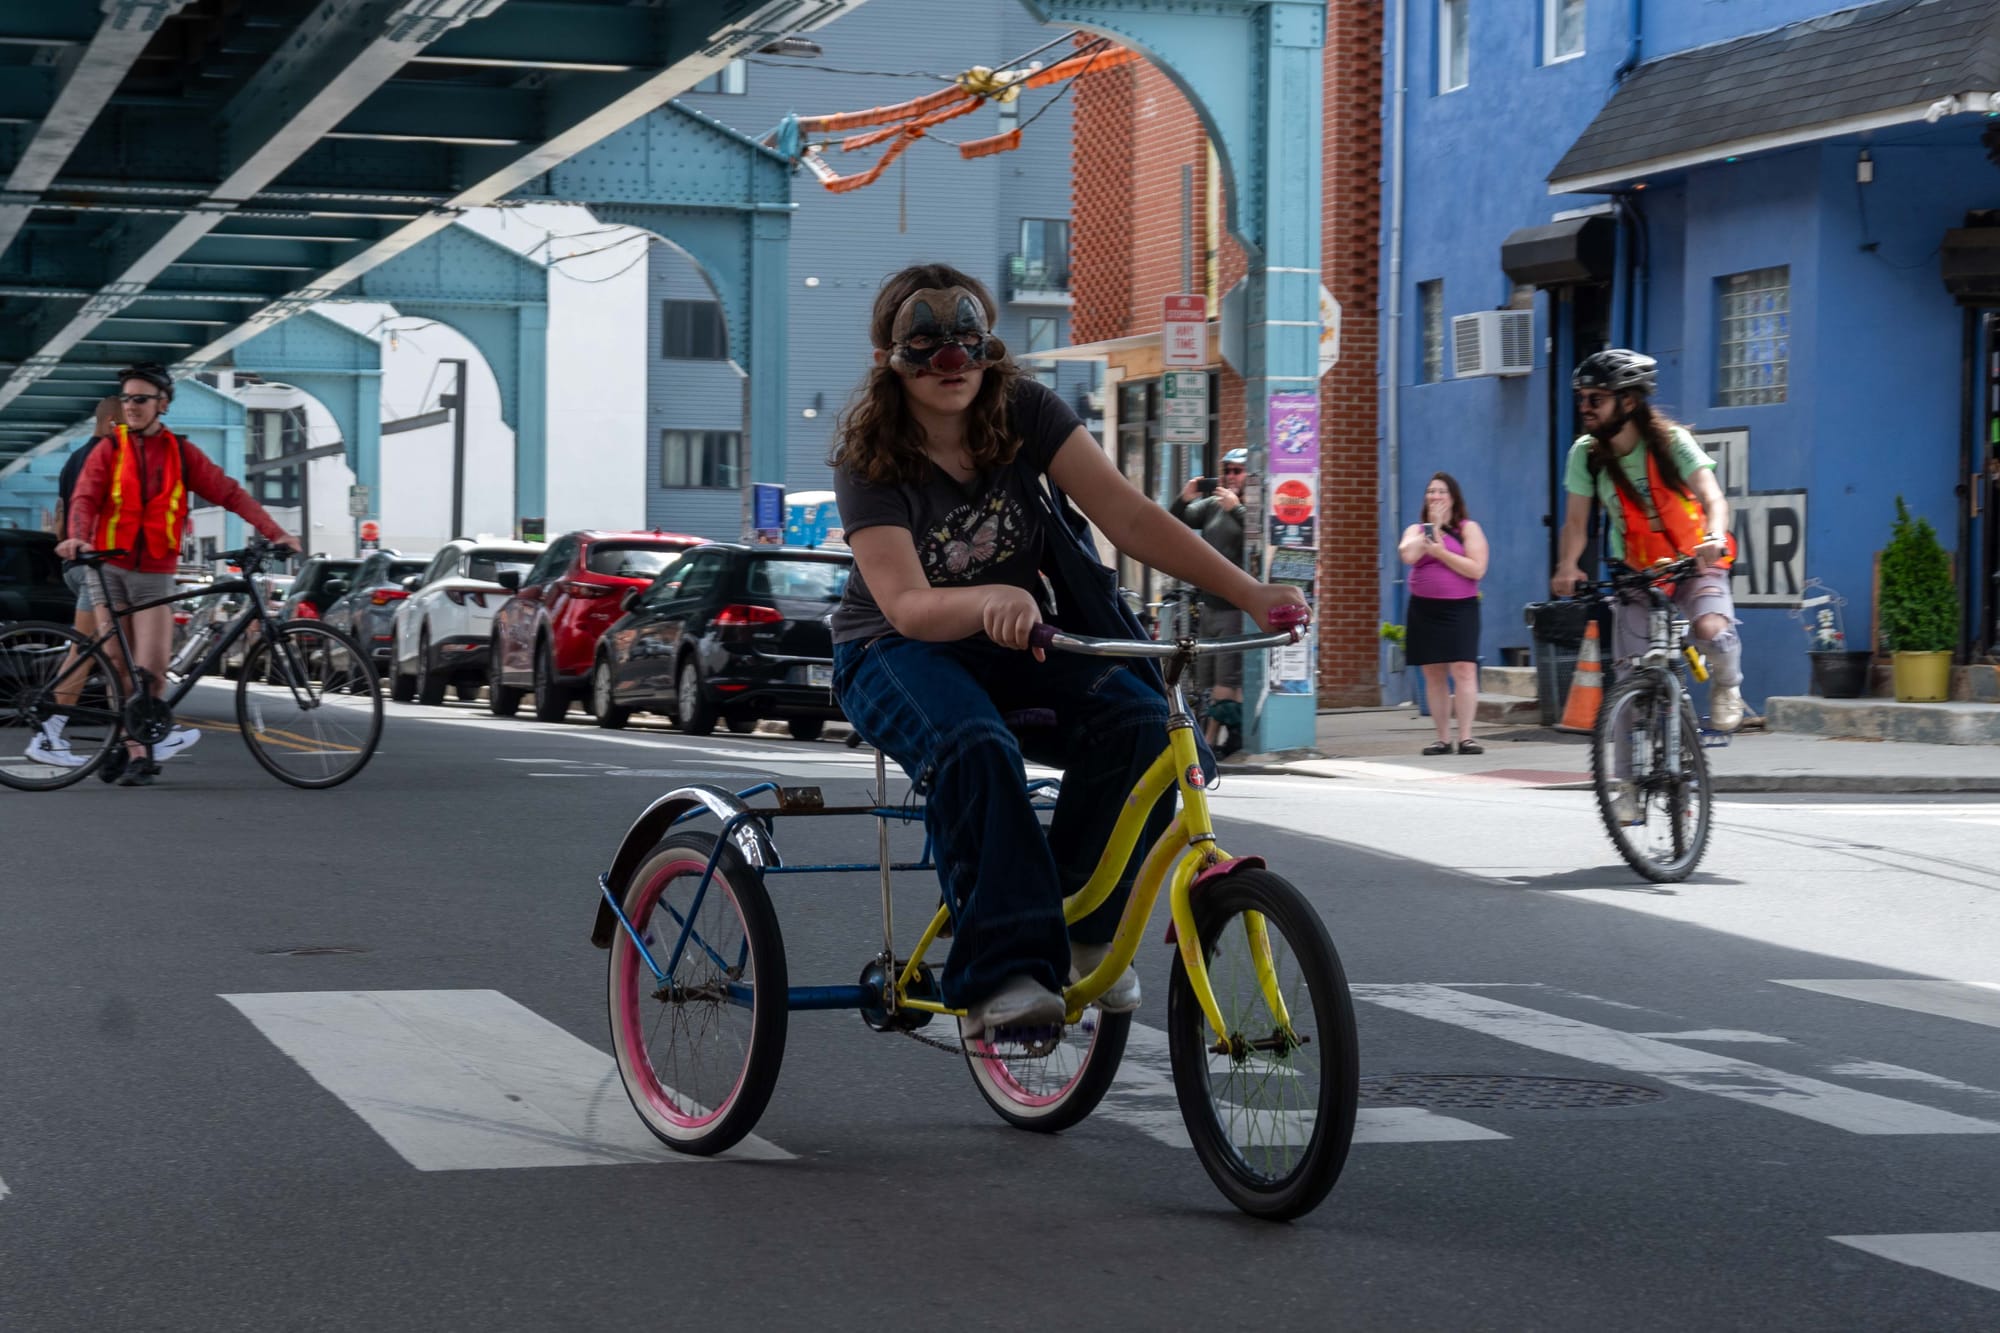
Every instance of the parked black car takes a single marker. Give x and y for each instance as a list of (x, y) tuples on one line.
[(366, 612), (320, 583), (727, 633), (31, 579)]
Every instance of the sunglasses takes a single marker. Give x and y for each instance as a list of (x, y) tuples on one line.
[(141, 397), (1595, 400), (1228, 468)]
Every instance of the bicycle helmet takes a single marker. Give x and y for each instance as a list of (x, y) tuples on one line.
[(153, 373), (1237, 456), (1619, 370)]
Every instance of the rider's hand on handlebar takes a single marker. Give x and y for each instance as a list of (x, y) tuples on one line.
[(1564, 581), (1709, 552), (69, 548), (1268, 598), (1007, 615)]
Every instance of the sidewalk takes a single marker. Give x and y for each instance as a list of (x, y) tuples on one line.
[(1383, 745)]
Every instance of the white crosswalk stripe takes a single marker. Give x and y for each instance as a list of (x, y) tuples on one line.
[(459, 1080), (1973, 1001), (1725, 1076), (1969, 1256)]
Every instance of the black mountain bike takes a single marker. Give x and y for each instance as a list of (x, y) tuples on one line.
[(307, 699), (1647, 759)]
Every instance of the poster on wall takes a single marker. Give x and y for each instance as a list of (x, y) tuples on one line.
[(1291, 666), (1293, 461), (1769, 526)]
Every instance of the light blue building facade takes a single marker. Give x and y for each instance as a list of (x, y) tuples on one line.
[(1766, 195), (1004, 219)]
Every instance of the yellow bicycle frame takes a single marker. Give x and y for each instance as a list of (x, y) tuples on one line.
[(1183, 851)]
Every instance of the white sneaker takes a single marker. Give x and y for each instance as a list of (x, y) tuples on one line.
[(50, 746), (1625, 805), (1123, 997), (179, 739), (1725, 707), (1021, 1002)]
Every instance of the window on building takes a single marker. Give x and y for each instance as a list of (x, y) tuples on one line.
[(1562, 30), (1430, 319), (701, 459), (732, 78), (1454, 54), (1753, 342), (693, 331), (1044, 258), (1044, 335)]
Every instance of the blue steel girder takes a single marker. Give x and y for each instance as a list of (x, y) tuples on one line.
[(1253, 70), (290, 134)]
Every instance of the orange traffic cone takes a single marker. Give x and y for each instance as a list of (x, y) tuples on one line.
[(1586, 688)]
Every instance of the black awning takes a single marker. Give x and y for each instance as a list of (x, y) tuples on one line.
[(1557, 254)]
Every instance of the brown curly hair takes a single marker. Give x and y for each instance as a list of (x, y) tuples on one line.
[(878, 439)]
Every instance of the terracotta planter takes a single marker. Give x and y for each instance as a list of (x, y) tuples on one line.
[(1922, 677)]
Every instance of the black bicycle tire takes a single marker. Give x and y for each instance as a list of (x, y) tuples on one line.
[(88, 647), (769, 1022), (1603, 774), (1188, 1037), (253, 658)]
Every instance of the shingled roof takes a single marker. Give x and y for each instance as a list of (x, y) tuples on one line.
[(1876, 65)]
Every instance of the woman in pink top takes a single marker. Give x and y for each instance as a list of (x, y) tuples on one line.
[(1446, 554)]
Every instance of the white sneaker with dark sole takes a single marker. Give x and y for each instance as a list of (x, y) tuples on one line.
[(1725, 707), (178, 740), (48, 748), (1123, 997), (1021, 1002)]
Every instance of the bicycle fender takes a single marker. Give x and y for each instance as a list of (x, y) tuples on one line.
[(749, 837), (1216, 871)]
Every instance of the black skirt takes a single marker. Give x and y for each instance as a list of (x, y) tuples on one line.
[(1442, 629)]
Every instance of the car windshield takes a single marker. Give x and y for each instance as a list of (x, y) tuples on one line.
[(402, 569), (627, 560), (490, 565), (335, 569), (806, 580)]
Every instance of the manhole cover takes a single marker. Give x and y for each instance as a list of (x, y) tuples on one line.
[(1500, 1092), (312, 950)]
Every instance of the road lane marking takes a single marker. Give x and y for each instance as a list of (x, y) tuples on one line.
[(1969, 1256), (1142, 1096), (1720, 1034), (1725, 1076), (4, 1191), (1973, 1001), (461, 1080)]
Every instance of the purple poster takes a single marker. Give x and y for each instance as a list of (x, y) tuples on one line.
[(1294, 432)]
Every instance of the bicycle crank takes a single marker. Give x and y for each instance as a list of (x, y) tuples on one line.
[(148, 720)]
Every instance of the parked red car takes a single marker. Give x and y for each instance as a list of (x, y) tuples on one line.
[(545, 635)]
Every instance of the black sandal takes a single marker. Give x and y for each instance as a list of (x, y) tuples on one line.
[(1438, 747), (1471, 747)]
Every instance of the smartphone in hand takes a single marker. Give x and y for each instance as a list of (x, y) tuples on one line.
[(1430, 532), (1208, 485)]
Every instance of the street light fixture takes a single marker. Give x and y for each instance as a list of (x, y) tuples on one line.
[(803, 47)]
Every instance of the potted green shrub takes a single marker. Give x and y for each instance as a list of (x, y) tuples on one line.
[(1919, 610), (1392, 639)]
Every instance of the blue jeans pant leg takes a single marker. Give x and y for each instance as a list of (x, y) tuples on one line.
[(926, 706)]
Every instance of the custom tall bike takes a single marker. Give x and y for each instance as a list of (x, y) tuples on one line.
[(307, 699), (1648, 760), (1259, 1023)]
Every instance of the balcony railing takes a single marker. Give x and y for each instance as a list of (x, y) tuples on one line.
[(1030, 278)]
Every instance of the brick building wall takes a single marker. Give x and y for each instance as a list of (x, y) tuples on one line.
[(1134, 132)]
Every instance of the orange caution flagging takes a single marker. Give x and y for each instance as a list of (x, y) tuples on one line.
[(1586, 688)]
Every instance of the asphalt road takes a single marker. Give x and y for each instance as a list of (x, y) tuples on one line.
[(275, 1059)]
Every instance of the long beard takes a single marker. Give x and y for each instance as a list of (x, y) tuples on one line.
[(1606, 431)]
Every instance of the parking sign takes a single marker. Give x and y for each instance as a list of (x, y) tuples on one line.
[(1184, 331)]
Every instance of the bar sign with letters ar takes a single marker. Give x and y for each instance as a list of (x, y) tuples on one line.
[(1184, 331)]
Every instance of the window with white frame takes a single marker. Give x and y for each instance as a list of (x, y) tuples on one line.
[(1454, 55), (701, 459), (732, 78), (1753, 342), (1562, 30), (1430, 318)]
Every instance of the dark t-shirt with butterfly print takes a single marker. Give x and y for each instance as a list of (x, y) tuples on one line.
[(984, 532)]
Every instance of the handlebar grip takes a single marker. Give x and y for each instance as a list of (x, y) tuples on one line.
[(1043, 635), (1289, 616)]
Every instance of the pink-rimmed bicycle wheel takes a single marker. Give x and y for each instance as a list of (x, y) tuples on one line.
[(698, 1052), (1052, 1092)]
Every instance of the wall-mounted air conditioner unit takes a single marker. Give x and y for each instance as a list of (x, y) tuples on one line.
[(1493, 342)]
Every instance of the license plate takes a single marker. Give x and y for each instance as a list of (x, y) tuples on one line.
[(820, 677)]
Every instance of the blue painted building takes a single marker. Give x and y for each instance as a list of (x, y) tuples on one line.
[(1767, 195), (930, 205)]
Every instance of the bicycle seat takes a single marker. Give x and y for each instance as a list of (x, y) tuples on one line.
[(97, 557), (1029, 719)]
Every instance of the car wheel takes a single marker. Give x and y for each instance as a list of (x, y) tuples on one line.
[(551, 699), (501, 700), (402, 688), (696, 714), (741, 726), (467, 690), (806, 728), (430, 681), (608, 714)]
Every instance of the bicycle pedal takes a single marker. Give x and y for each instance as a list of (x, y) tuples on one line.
[(1025, 1036)]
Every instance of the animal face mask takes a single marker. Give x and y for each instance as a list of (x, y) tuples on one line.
[(942, 331)]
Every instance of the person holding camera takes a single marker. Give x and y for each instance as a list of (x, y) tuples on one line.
[(1215, 506), (1447, 556)]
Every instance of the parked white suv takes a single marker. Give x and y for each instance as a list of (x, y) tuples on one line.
[(444, 632)]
